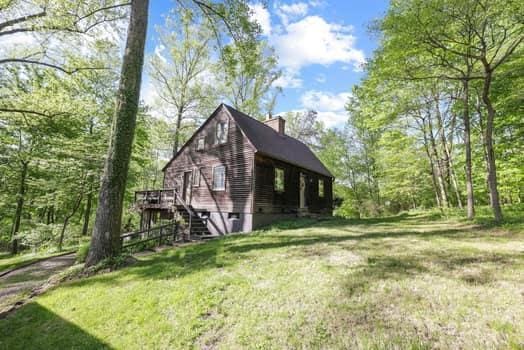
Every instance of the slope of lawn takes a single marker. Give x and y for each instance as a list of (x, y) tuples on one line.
[(411, 281)]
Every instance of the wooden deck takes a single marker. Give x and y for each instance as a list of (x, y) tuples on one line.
[(155, 199)]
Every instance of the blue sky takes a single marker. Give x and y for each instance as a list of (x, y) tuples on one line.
[(320, 45)]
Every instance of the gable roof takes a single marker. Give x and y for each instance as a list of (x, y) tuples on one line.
[(268, 141)]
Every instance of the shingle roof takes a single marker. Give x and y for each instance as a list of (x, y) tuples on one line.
[(268, 141)]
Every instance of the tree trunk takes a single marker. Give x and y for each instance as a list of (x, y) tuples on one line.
[(66, 221), (19, 206), (87, 211), (449, 159), (438, 166), (176, 142), (432, 165), (467, 144), (105, 241), (490, 152)]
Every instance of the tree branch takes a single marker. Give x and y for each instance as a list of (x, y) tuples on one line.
[(49, 65)]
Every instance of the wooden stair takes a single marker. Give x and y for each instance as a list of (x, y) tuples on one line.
[(198, 227)]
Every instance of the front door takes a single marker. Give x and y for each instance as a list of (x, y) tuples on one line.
[(186, 190), (302, 191)]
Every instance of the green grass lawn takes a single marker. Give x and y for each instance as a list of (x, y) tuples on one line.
[(411, 281)]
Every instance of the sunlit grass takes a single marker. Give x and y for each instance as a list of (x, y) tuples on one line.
[(411, 281)]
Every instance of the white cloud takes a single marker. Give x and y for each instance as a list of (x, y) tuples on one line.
[(312, 40), (262, 17), (332, 119), (320, 100), (330, 107), (288, 79), (296, 9)]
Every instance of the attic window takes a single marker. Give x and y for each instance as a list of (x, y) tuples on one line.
[(200, 144), (321, 188), (279, 179), (221, 133)]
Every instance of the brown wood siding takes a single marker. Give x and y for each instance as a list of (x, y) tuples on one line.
[(267, 200), (236, 155)]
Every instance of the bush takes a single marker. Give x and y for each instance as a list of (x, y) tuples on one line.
[(81, 253)]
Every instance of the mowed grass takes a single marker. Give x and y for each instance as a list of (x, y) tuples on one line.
[(410, 281)]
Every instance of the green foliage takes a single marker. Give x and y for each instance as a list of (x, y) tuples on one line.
[(81, 253)]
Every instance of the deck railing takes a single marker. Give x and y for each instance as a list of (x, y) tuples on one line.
[(162, 198)]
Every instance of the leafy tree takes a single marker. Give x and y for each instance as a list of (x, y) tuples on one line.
[(183, 72)]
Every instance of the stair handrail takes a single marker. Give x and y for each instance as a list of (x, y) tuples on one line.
[(182, 201)]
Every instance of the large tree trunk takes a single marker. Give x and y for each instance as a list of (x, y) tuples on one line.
[(105, 241), (490, 152), (467, 144), (19, 206)]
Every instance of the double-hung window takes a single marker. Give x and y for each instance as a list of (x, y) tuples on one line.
[(321, 188), (196, 177), (219, 178)]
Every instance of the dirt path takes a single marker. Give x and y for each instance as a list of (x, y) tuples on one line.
[(23, 280)]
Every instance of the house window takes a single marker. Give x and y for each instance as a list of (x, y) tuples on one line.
[(196, 177), (219, 178), (200, 144), (279, 179), (221, 133), (233, 216), (321, 188)]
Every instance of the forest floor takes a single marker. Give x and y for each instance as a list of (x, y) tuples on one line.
[(409, 281)]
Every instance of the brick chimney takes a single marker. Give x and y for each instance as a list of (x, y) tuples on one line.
[(277, 123)]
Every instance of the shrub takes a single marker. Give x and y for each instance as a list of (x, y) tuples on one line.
[(81, 253)]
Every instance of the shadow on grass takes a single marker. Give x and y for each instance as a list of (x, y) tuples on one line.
[(47, 331), (231, 250)]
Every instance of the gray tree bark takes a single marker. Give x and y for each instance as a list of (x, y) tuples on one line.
[(488, 140), (105, 241)]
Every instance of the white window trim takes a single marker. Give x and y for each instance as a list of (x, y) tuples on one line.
[(213, 178)]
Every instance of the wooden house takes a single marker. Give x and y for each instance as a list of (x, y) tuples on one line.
[(237, 173)]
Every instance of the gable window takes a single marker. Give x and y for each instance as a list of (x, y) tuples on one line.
[(321, 188), (219, 178), (200, 144), (221, 132), (279, 179), (196, 177)]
